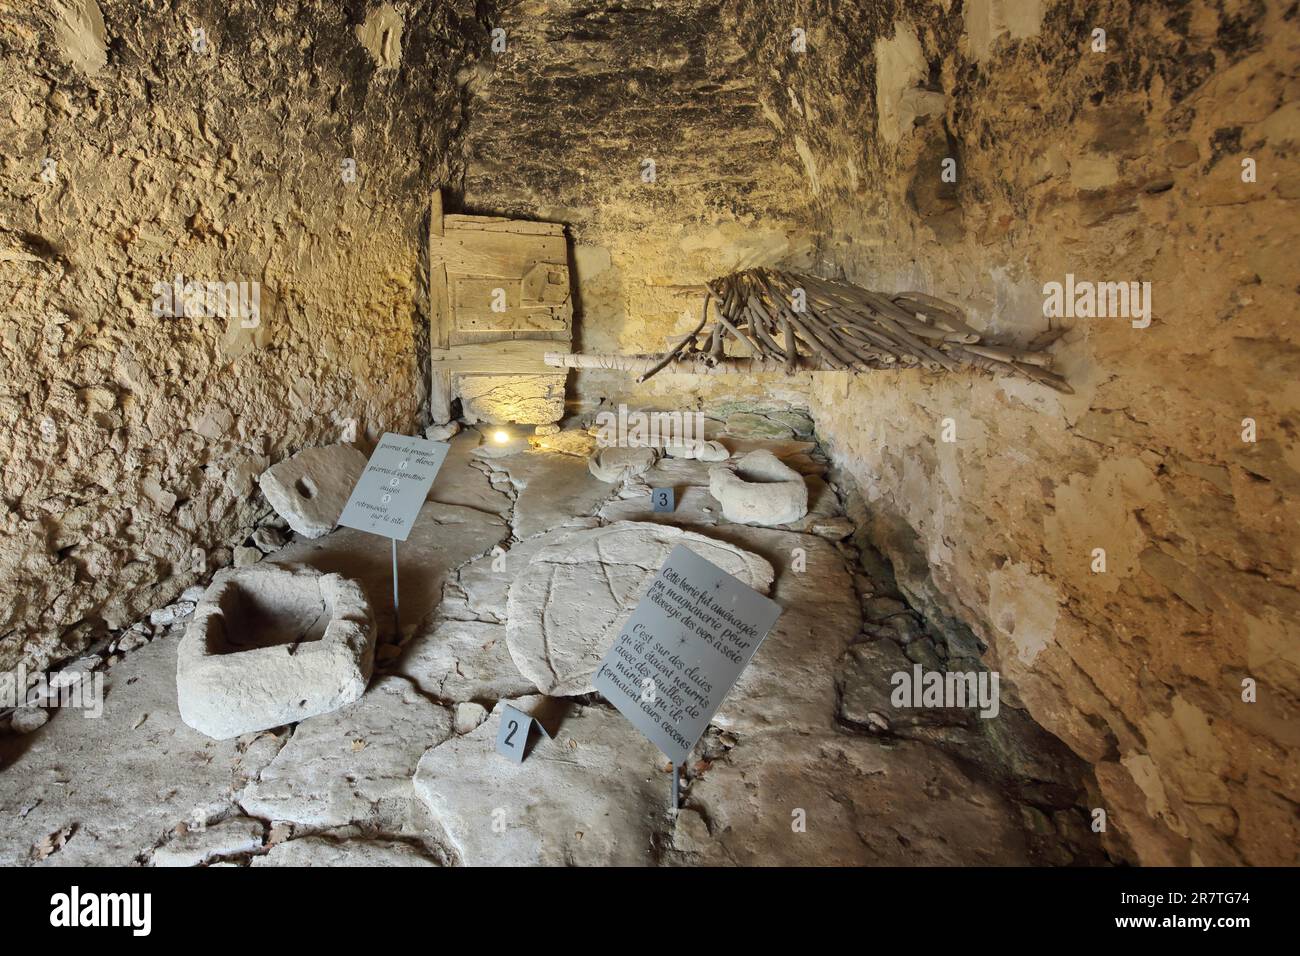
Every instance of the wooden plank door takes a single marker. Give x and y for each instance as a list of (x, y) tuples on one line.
[(500, 299)]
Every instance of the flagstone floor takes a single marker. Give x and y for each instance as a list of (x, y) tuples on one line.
[(807, 763)]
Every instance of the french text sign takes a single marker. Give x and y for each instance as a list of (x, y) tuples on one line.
[(682, 651), (388, 496)]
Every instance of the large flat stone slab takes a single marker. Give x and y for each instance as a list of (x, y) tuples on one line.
[(679, 472), (121, 782), (790, 683), (463, 661), (567, 607), (270, 645), (443, 538), (480, 588), (463, 480), (356, 851), (693, 508), (309, 489), (354, 765), (550, 489), (590, 797), (860, 804)]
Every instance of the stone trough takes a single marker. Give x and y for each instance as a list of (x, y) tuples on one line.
[(270, 645), (759, 489)]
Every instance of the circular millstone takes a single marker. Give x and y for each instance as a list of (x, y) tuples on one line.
[(570, 602)]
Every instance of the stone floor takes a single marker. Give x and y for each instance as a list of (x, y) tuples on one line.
[(807, 763)]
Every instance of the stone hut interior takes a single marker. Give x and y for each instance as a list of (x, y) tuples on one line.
[(649, 433)]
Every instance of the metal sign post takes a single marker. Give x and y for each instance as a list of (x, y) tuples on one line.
[(712, 623), (397, 617), (390, 492)]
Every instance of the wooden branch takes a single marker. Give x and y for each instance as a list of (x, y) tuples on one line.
[(839, 327), (704, 319)]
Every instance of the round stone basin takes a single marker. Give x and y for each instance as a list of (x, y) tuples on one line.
[(270, 645)]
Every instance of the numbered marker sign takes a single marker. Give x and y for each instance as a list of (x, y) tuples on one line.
[(512, 735), (663, 499), (682, 651), (390, 492)]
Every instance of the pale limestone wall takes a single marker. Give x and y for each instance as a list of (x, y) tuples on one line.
[(1116, 165), (223, 165)]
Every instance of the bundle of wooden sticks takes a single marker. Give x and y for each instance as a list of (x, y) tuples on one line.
[(795, 322)]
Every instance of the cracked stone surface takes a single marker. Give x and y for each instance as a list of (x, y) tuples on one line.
[(463, 660), (694, 507), (861, 804), (408, 773), (481, 587), (463, 480), (352, 765), (550, 489), (229, 837), (568, 605), (443, 538), (344, 851), (790, 682), (122, 781), (501, 399), (590, 797)]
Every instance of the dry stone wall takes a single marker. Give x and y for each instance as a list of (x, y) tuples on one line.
[(974, 150), (292, 145), (1176, 455), (1109, 158)]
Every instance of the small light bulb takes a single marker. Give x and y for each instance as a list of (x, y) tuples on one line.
[(501, 436)]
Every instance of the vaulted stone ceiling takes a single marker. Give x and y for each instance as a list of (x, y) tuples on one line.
[(562, 122)]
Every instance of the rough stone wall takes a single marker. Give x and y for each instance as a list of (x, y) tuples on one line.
[(561, 124), (131, 440), (1114, 166)]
